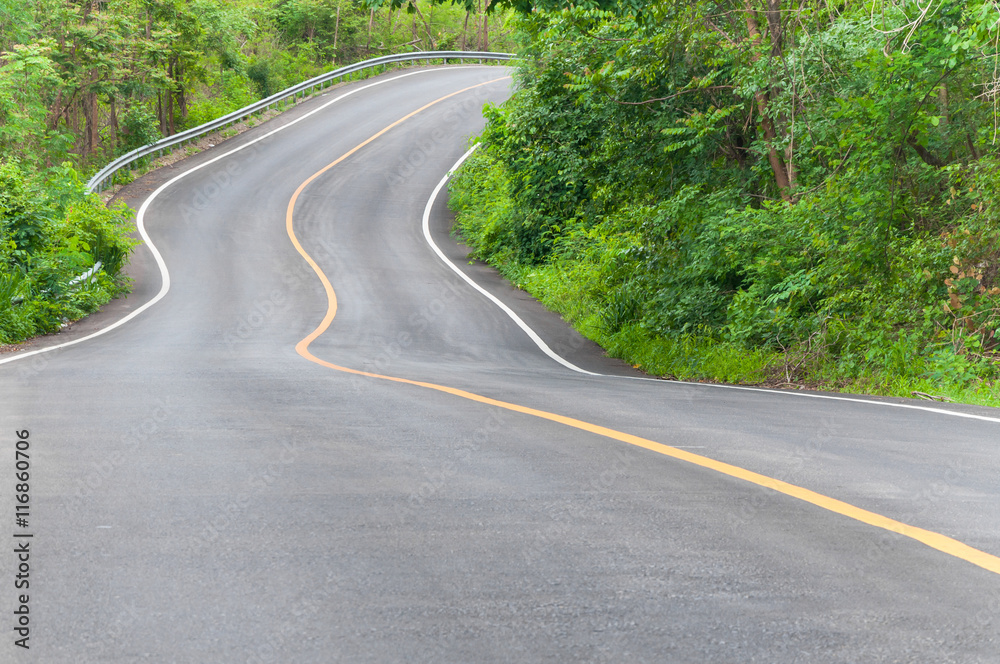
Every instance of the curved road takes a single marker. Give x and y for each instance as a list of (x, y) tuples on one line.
[(263, 467)]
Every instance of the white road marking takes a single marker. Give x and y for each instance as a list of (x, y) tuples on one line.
[(507, 310)]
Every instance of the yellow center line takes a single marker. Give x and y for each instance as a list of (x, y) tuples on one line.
[(330, 294), (932, 539)]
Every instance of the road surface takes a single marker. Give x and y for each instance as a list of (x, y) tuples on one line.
[(366, 459)]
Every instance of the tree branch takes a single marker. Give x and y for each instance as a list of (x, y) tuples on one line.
[(926, 155), (682, 92)]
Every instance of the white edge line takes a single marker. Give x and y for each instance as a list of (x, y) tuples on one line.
[(813, 395), (140, 221), (548, 351), (507, 310)]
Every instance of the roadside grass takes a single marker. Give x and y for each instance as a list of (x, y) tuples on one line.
[(567, 289)]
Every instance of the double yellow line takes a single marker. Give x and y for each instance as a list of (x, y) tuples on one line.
[(934, 540)]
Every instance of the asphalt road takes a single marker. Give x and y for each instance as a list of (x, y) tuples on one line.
[(207, 487)]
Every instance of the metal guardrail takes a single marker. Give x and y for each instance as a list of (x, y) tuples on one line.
[(97, 183)]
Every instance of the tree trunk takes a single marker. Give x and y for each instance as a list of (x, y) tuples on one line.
[(479, 25), (784, 127), (181, 92), (171, 126), (168, 101), (925, 155), (943, 105), (773, 15), (171, 95), (91, 131), (431, 42), (465, 30), (55, 112), (114, 125), (371, 23), (763, 99), (486, 26), (336, 28), (160, 115)]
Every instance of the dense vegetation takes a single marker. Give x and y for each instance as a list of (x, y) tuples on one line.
[(83, 81), (756, 190)]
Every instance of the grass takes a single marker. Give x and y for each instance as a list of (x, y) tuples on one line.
[(566, 289)]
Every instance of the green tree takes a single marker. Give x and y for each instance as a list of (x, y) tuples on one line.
[(27, 74)]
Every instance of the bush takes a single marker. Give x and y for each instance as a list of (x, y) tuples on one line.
[(51, 233), (139, 127)]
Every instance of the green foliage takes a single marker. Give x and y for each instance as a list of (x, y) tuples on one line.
[(26, 73), (138, 128), (50, 234), (86, 82), (228, 91), (528, 6), (695, 189)]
